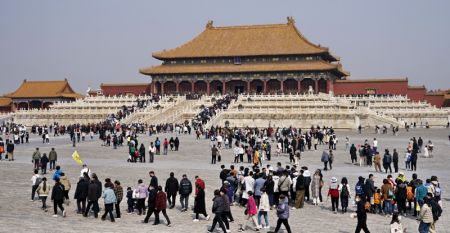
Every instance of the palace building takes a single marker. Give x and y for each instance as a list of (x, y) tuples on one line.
[(273, 58), (38, 95)]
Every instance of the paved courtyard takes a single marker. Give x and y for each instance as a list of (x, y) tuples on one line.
[(18, 214)]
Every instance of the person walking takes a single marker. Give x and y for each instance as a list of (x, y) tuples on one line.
[(251, 211), (142, 153), (214, 153), (185, 189), (353, 154), (141, 195), (36, 158), (81, 193), (199, 204), (151, 203), (35, 182), (53, 157), (395, 160), (92, 197), (387, 160), (43, 190), (282, 214), (151, 152), (109, 199), (218, 208), (345, 194), (44, 161), (161, 206), (264, 209), (10, 150), (171, 189), (65, 181), (425, 216), (325, 157), (361, 215), (333, 192), (118, 191), (58, 198)]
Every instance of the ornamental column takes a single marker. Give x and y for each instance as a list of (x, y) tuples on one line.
[(192, 86), (177, 87), (162, 88), (299, 85), (281, 85), (316, 86), (208, 91), (224, 85), (265, 87)]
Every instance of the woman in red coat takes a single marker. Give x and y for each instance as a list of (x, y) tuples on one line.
[(161, 206)]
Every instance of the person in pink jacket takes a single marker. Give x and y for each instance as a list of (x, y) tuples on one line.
[(251, 211)]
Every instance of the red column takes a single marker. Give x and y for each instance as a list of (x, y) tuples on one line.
[(193, 86), (248, 87), (177, 87), (224, 85), (265, 86), (281, 85), (162, 88), (316, 86), (299, 85), (208, 90)]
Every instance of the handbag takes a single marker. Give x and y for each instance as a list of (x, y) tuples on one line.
[(246, 211)]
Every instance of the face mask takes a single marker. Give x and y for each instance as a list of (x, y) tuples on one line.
[(358, 199)]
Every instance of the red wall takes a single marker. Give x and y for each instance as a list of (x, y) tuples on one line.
[(436, 100), (416, 94), (388, 87), (125, 89)]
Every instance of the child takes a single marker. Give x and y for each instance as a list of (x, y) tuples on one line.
[(130, 200), (377, 200), (396, 225)]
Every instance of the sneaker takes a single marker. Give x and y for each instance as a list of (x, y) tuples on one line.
[(207, 218), (266, 227), (228, 231), (196, 220), (55, 215), (64, 213), (241, 230), (294, 208), (169, 225), (143, 221)]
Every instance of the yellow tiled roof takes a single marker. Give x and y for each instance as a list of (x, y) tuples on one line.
[(44, 89), (5, 101), (253, 40), (244, 67)]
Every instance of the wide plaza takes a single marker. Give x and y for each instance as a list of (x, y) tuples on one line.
[(18, 214)]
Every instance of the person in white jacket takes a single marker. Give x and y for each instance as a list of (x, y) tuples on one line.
[(264, 208)]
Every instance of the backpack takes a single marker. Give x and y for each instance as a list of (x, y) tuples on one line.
[(344, 192), (409, 193), (436, 210), (437, 192), (359, 189), (38, 181)]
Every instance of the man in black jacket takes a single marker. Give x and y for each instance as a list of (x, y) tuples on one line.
[(300, 187), (151, 203), (218, 208), (171, 189), (185, 189), (369, 188), (92, 197), (361, 215), (58, 198), (395, 160), (81, 194)]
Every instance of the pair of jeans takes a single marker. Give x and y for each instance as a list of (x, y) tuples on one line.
[(33, 191), (266, 217), (52, 164), (171, 199), (141, 205), (109, 210), (387, 207), (424, 227), (117, 207), (44, 200), (335, 203), (150, 211), (184, 200), (95, 208)]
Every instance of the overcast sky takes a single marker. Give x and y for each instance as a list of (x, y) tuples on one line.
[(107, 41)]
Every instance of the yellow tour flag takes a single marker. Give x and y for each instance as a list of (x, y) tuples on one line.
[(77, 158)]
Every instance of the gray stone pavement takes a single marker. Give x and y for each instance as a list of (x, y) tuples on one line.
[(18, 214)]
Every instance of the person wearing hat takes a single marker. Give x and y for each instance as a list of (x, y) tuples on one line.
[(333, 191)]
